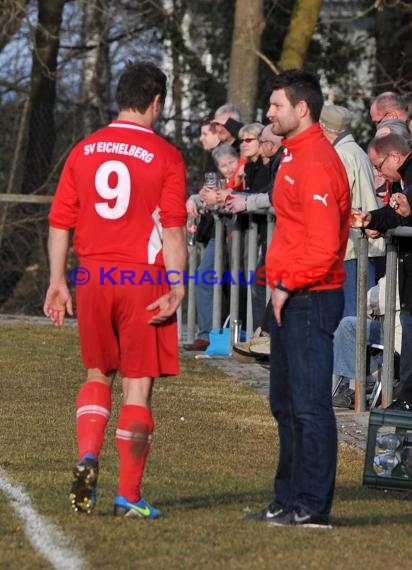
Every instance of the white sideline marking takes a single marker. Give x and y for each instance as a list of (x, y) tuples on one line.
[(45, 537)]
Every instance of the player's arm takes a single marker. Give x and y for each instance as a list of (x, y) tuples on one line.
[(175, 259), (58, 298)]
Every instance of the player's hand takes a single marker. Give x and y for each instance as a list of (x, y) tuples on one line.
[(399, 202), (58, 301), (166, 305), (279, 299)]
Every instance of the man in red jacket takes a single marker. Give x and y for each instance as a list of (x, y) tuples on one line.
[(304, 263)]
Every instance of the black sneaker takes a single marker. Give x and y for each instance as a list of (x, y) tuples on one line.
[(401, 405), (301, 517), (267, 514), (84, 486), (344, 399)]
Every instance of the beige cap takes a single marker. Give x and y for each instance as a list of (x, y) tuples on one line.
[(335, 118)]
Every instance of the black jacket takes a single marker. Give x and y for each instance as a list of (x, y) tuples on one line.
[(273, 167), (256, 176), (386, 218)]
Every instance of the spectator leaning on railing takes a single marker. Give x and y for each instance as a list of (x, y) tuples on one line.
[(335, 121), (392, 156), (227, 162), (225, 124)]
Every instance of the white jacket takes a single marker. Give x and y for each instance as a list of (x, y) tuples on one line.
[(361, 183)]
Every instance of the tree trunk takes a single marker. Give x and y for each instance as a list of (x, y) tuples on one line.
[(244, 61), (305, 16), (41, 134), (178, 76), (94, 89)]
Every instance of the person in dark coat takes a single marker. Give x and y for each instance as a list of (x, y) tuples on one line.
[(392, 156)]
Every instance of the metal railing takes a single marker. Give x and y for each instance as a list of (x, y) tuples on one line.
[(391, 238), (390, 308), (250, 246), (361, 325)]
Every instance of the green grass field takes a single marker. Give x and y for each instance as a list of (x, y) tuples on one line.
[(213, 459)]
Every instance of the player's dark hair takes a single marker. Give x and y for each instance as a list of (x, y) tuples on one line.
[(301, 85), (139, 84)]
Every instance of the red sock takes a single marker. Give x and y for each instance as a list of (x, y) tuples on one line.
[(133, 439), (94, 405)]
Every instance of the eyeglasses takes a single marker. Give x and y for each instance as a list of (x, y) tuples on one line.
[(378, 167), (247, 140), (265, 141), (381, 119)]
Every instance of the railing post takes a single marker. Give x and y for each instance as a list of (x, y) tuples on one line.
[(389, 320), (217, 288), (234, 269), (361, 327), (179, 318), (251, 268), (191, 295), (270, 228)]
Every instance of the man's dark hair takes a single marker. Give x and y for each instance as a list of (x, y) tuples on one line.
[(301, 85), (138, 85)]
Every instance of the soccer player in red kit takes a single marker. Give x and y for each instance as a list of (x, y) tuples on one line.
[(123, 192)]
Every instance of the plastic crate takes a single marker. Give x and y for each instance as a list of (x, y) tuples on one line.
[(380, 422)]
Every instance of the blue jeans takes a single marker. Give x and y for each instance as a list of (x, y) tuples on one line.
[(301, 362), (344, 353), (204, 293), (350, 287)]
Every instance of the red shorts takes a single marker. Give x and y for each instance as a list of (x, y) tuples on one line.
[(113, 321)]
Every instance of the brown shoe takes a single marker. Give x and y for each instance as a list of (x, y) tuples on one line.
[(260, 345), (198, 345)]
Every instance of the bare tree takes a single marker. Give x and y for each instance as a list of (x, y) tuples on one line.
[(41, 134), (178, 66), (393, 34), (244, 61), (305, 16), (11, 16), (24, 234), (95, 76)]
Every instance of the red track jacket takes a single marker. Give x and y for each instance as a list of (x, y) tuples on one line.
[(312, 205)]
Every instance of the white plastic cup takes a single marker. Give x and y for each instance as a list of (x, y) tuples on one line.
[(235, 329)]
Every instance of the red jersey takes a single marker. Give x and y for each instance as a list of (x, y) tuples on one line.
[(312, 204), (119, 187)]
